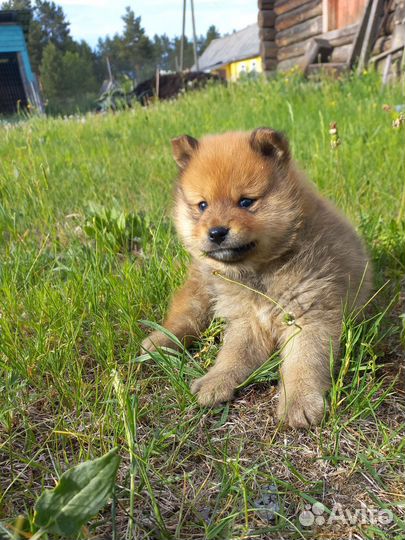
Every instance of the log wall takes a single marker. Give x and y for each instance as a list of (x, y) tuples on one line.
[(395, 11), (266, 21), (297, 23), (287, 28)]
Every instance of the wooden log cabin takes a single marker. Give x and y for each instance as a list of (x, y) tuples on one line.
[(338, 34)]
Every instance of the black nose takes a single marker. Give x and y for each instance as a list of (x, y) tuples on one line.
[(217, 234)]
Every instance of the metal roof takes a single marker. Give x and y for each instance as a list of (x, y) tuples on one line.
[(237, 46)]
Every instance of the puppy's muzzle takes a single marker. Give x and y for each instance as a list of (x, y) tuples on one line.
[(218, 234)]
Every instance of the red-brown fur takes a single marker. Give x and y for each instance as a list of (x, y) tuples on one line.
[(305, 256)]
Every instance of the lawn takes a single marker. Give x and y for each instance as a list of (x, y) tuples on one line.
[(88, 251)]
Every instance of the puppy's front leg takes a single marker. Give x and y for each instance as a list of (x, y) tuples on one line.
[(239, 356), (189, 314), (305, 373)]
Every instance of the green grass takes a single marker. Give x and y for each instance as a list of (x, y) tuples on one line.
[(75, 285)]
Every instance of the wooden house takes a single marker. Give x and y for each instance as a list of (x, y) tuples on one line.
[(18, 84), (234, 55), (336, 34)]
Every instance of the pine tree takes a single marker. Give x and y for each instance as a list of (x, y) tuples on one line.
[(53, 23), (49, 25), (131, 53), (162, 46), (212, 33)]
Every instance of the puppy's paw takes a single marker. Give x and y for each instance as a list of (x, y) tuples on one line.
[(301, 409), (154, 341), (213, 388)]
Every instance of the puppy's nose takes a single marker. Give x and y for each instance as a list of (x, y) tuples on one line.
[(218, 234)]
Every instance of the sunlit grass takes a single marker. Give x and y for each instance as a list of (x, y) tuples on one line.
[(89, 252)]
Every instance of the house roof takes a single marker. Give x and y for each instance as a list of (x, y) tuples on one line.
[(21, 17), (237, 46)]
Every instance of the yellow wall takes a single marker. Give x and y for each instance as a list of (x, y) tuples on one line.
[(233, 71)]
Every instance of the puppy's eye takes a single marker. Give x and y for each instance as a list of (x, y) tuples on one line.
[(203, 205), (245, 203)]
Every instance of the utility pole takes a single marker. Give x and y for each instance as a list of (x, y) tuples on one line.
[(109, 69), (194, 37), (183, 36)]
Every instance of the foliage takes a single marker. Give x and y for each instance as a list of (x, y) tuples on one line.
[(212, 33), (118, 230), (71, 73), (16, 4), (52, 72), (49, 25), (132, 52), (78, 74), (81, 492)]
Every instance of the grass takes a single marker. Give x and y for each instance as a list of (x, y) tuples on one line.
[(88, 251)]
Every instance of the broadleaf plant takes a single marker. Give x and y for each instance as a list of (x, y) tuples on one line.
[(80, 493)]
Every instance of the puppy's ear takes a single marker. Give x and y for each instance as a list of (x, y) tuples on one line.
[(270, 143), (183, 149)]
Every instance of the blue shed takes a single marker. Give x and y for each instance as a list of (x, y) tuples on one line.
[(18, 84)]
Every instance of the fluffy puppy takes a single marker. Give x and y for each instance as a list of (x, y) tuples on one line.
[(245, 213)]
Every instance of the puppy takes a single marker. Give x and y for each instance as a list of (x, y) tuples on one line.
[(269, 255)]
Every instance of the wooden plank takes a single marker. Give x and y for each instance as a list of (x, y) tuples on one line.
[(387, 53), (286, 65), (346, 12), (307, 29), (301, 14), (23, 75), (269, 65), (325, 16), (370, 33), (382, 44), (333, 70), (398, 35), (295, 50), (388, 26), (266, 18), (342, 36), (387, 69), (319, 50), (268, 50), (265, 4), (282, 6), (267, 34), (332, 14), (341, 54), (359, 37)]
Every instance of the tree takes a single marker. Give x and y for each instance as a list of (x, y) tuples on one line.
[(70, 72), (78, 75), (188, 58), (36, 44), (131, 53), (162, 46), (68, 79), (49, 25), (16, 4), (52, 75), (212, 33), (53, 23)]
